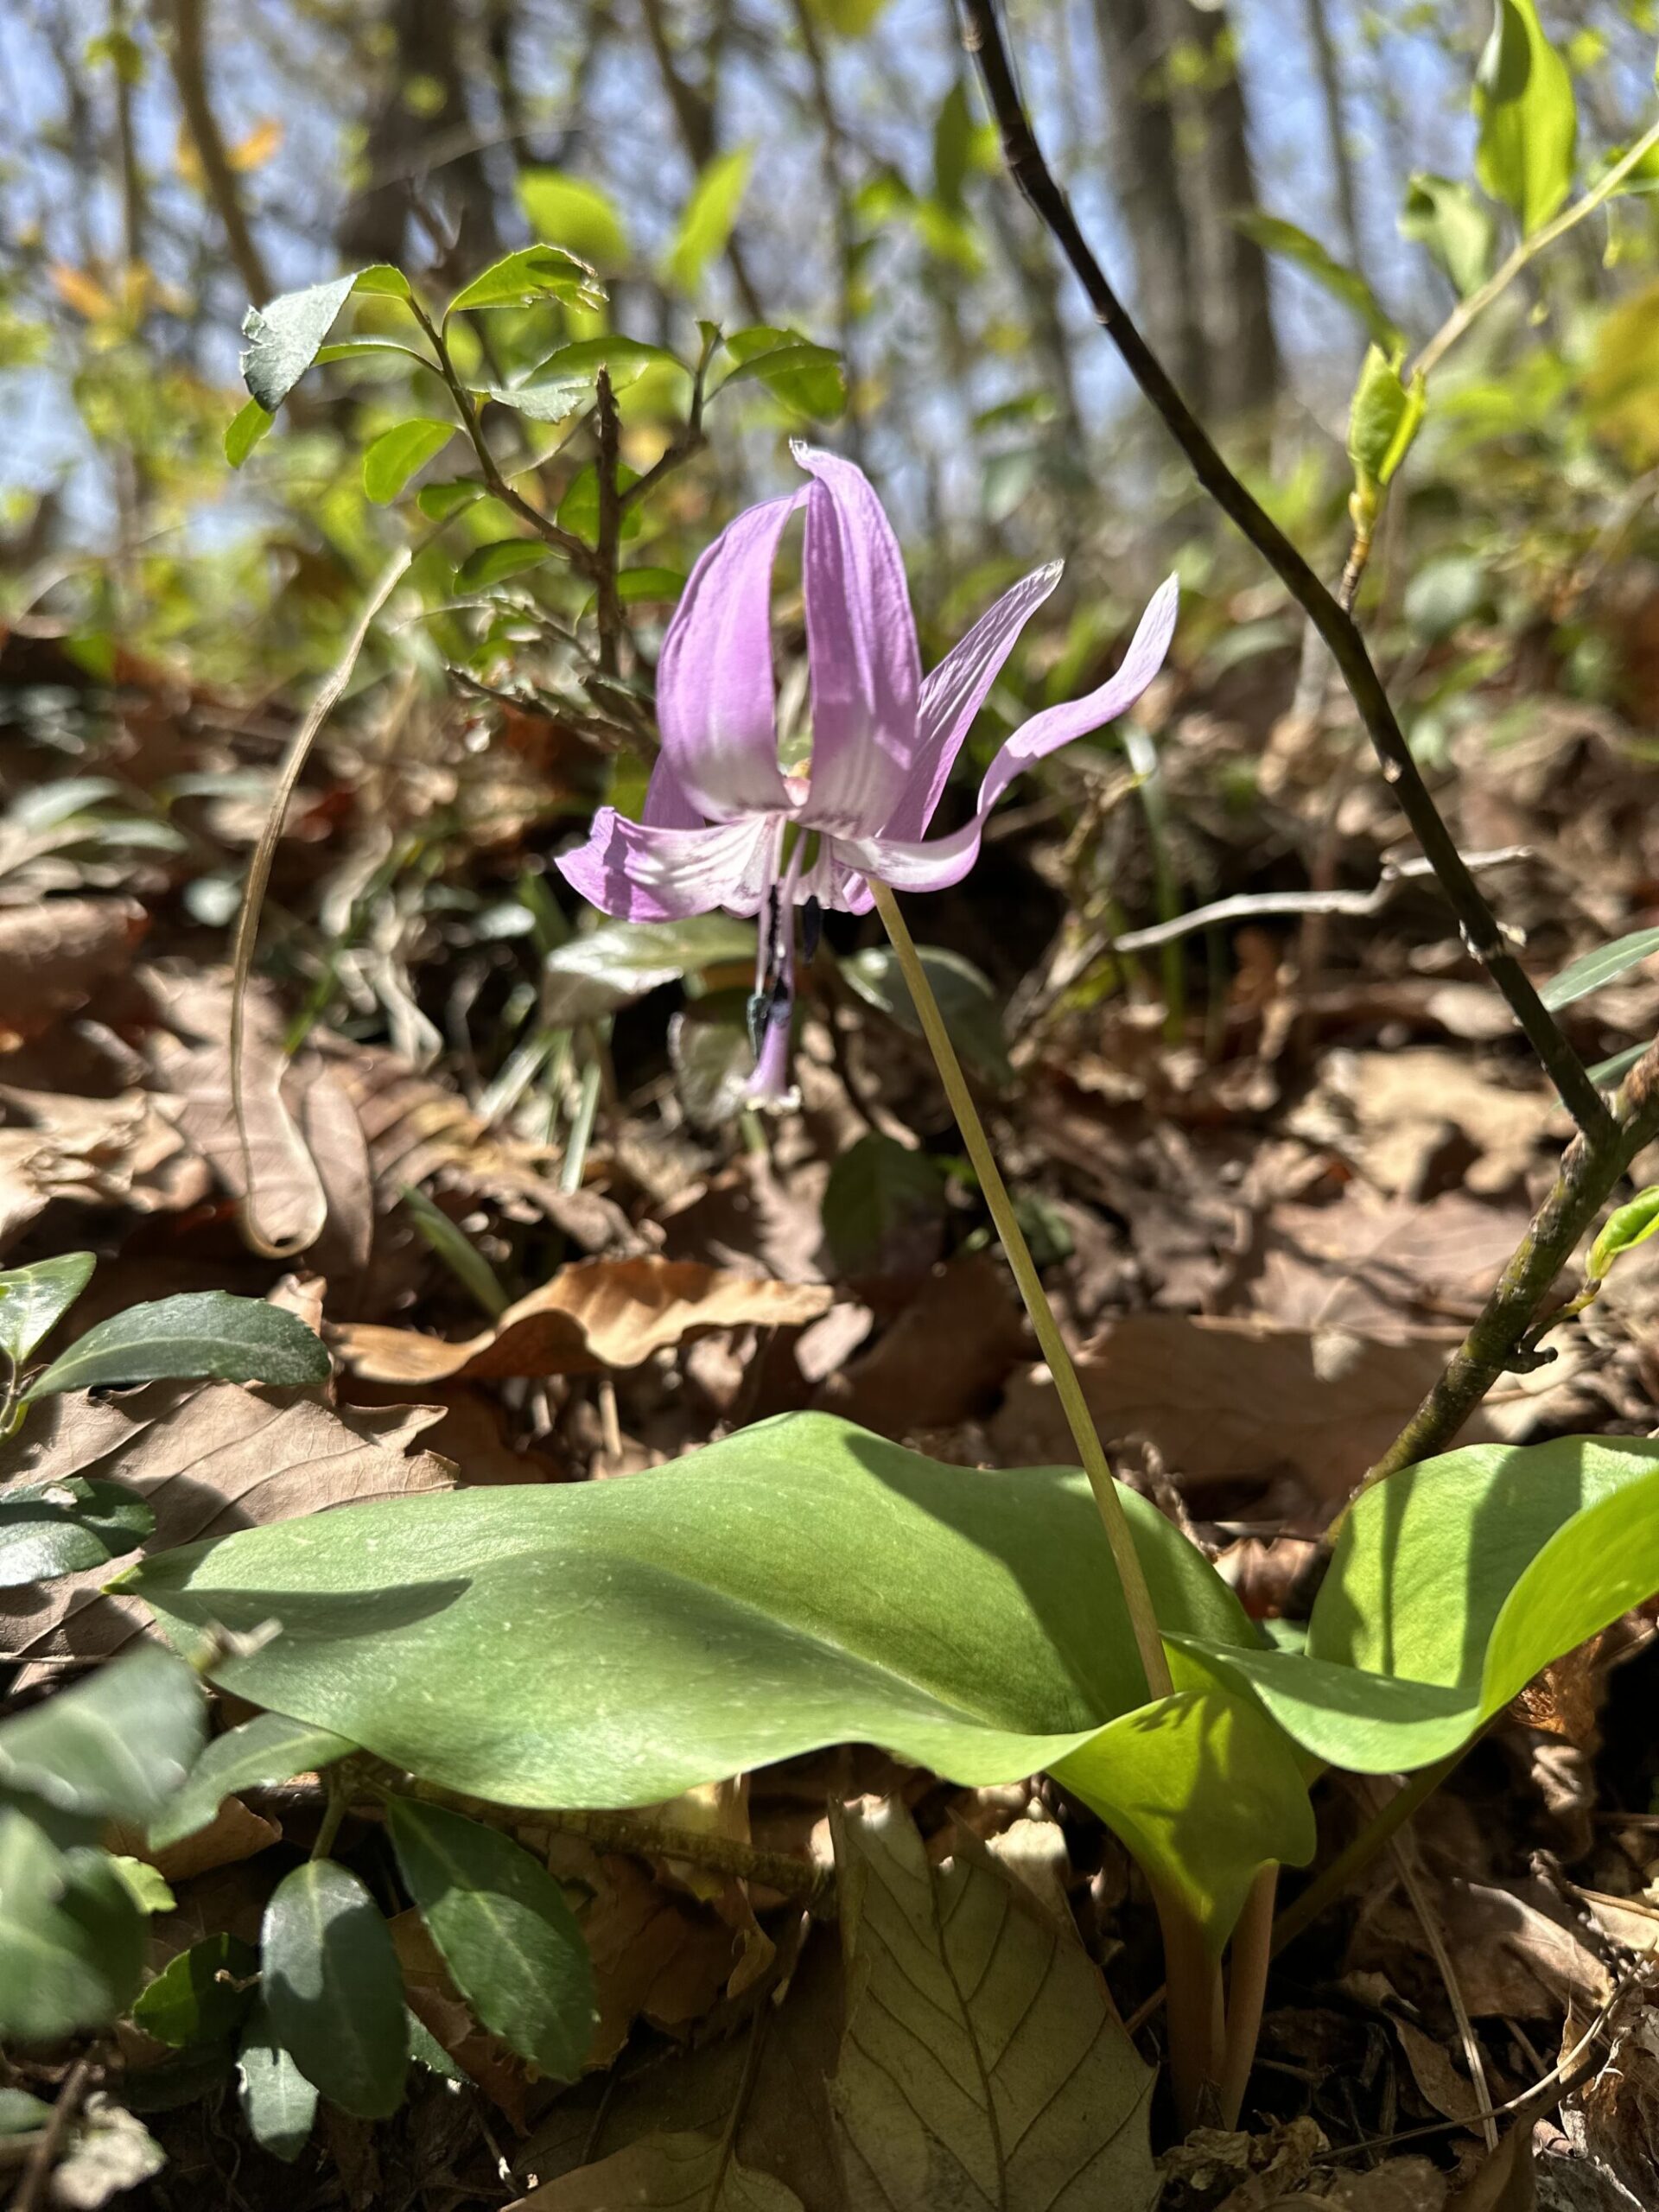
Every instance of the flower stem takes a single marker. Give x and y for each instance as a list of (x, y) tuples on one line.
[(1091, 1451)]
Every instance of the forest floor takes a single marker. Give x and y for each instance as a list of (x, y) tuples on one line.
[(1266, 1214)]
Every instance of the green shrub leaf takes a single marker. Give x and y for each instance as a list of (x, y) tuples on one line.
[(535, 272), (285, 336), (1294, 244), (72, 1938), (202, 1332), (966, 1000), (575, 214), (397, 453), (709, 217), (271, 1748), (244, 431), (114, 1747), (1524, 105), (1446, 217), (202, 1996), (879, 1191), (65, 1527), (33, 1300), (507, 1936), (619, 962), (278, 2103), (333, 1991), (495, 562)]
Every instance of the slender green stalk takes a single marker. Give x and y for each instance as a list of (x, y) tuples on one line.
[(1247, 1984), (1091, 1451), (1477, 301), (1373, 1838)]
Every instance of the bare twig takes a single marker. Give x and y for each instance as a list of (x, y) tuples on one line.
[(609, 534), (1334, 623), (580, 554), (1252, 905), (187, 51)]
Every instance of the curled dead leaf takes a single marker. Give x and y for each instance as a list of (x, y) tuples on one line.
[(596, 1314)]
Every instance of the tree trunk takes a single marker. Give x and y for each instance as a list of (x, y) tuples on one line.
[(1329, 68), (188, 54), (1142, 141), (410, 140), (1217, 181)]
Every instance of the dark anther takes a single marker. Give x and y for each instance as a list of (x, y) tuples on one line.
[(756, 1012), (811, 930)]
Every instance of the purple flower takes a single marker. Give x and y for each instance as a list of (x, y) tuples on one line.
[(725, 825)]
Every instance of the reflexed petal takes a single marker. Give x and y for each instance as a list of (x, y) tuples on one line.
[(715, 703), (669, 805), (911, 864), (1058, 726), (954, 692), (862, 643), (643, 875)]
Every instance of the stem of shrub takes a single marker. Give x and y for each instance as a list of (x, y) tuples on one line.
[(1091, 1451)]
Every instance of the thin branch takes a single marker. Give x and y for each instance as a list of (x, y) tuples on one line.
[(1249, 905), (1335, 625), (609, 609), (187, 52), (44, 2154), (575, 550)]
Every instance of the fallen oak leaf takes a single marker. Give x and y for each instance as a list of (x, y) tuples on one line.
[(594, 1315), (668, 2172)]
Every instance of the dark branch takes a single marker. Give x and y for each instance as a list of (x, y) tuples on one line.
[(1481, 932)]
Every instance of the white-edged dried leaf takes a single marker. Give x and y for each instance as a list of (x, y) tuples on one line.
[(982, 2062)]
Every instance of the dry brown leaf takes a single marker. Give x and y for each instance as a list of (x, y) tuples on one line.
[(1425, 1113), (1447, 2092), (783, 2125), (207, 1460), (54, 951), (657, 1955), (596, 1314), (275, 1176), (943, 1360), (1222, 1399), (92, 1152), (1398, 2185), (668, 2173), (1378, 1266)]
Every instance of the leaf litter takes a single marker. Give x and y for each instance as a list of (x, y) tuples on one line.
[(1263, 1259)]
